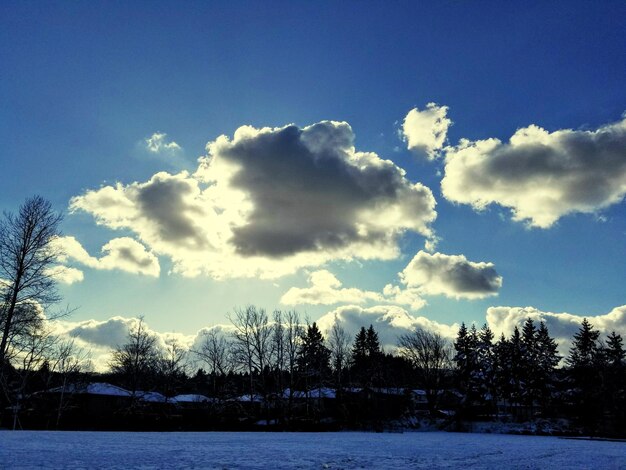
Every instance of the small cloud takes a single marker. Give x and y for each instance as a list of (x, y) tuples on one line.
[(157, 143), (425, 131), (325, 289), (451, 275), (430, 244), (122, 253)]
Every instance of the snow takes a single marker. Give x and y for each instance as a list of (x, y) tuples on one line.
[(64, 450), (323, 392), (190, 398), (152, 397), (96, 388)]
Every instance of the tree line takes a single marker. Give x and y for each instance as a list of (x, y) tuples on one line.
[(280, 362)]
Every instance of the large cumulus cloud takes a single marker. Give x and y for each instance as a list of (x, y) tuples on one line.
[(269, 201), (541, 176), (451, 275)]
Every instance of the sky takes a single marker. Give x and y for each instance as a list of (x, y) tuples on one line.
[(405, 164)]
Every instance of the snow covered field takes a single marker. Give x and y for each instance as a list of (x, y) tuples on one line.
[(221, 450)]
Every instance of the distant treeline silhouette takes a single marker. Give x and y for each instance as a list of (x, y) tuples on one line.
[(277, 373)]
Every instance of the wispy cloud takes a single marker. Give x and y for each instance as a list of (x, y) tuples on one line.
[(157, 143)]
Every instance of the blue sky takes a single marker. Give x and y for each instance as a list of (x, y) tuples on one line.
[(85, 84)]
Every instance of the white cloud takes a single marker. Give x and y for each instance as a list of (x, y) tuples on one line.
[(102, 337), (268, 202), (326, 290), (562, 326), (389, 321), (451, 275), (541, 176), (157, 143), (122, 253), (425, 131), (403, 296), (65, 274)]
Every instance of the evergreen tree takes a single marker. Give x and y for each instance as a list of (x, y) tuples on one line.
[(466, 361), (614, 352), (615, 383), (585, 350), (367, 357), (313, 357), (529, 381), (546, 361), (372, 344), (359, 349), (516, 367), (485, 374), (585, 374), (502, 368)]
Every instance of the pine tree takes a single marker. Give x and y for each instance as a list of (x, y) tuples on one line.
[(547, 359), (502, 368), (585, 373), (367, 357), (359, 349), (462, 357), (372, 344), (486, 366), (516, 366), (615, 383), (529, 380), (585, 347), (615, 353), (313, 357), (466, 360)]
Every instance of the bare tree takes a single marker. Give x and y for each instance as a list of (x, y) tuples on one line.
[(215, 353), (137, 359), (430, 355), (278, 348), (67, 361), (339, 344), (27, 253), (293, 337), (172, 367), (252, 342), (32, 353)]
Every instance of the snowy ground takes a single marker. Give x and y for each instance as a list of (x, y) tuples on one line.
[(221, 450)]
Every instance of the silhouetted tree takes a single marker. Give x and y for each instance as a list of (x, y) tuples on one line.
[(585, 361), (367, 357), (339, 346), (429, 353), (137, 360), (252, 343), (313, 357), (27, 256)]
